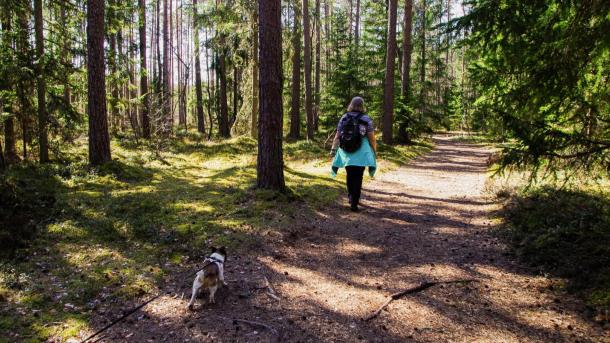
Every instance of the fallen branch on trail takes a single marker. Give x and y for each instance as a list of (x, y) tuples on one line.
[(419, 288), (270, 328), (271, 291)]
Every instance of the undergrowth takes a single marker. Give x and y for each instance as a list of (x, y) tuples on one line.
[(564, 231), (108, 234)]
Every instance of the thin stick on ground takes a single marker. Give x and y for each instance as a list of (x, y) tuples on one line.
[(271, 291), (270, 328), (419, 288)]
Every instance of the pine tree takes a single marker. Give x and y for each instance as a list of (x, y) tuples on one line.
[(198, 88), (307, 67), (295, 94), (388, 98), (43, 136), (270, 165), (99, 140), (145, 113)]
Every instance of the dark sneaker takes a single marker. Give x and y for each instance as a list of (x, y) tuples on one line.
[(354, 208)]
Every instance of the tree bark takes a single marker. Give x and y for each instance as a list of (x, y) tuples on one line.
[(210, 89), (2, 161), (307, 60), (357, 28), (99, 141), (112, 65), (65, 48), (316, 91), (327, 41), (406, 49), (223, 125), (145, 113), (132, 89), (43, 139), (422, 72), (350, 21), (25, 86), (255, 75), (6, 106), (270, 165), (388, 97), (295, 96), (167, 105), (198, 89), (235, 95)]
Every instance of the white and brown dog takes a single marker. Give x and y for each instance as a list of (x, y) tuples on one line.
[(211, 276)]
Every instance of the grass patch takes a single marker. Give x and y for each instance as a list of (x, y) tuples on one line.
[(565, 233), (115, 232), (472, 138)]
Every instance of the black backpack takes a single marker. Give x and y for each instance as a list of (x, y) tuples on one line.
[(350, 138)]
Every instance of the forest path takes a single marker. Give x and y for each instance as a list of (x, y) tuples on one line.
[(427, 221)]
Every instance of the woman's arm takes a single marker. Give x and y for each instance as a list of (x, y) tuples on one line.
[(333, 150), (373, 141)]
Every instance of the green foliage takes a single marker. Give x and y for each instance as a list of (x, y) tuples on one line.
[(118, 230), (566, 233), (541, 77), (27, 198)]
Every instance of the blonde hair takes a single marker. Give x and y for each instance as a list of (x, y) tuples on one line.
[(356, 105)]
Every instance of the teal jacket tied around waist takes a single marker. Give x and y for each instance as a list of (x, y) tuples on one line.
[(363, 157)]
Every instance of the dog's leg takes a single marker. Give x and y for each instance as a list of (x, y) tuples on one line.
[(212, 292), (221, 275), (196, 288)]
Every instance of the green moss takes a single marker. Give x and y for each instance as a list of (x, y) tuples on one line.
[(565, 233), (120, 228)]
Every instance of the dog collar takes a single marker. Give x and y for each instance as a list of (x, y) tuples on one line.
[(215, 259)]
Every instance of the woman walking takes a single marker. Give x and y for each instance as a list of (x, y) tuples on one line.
[(354, 148)]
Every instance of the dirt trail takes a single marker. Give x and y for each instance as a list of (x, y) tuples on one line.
[(428, 221)]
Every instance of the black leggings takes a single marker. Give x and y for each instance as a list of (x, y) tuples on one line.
[(354, 183)]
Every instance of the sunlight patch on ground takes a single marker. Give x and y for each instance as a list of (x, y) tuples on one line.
[(306, 284)]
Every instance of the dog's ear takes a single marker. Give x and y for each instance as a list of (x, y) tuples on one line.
[(223, 251), (214, 249)]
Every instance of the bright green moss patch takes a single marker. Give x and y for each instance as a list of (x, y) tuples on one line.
[(118, 230)]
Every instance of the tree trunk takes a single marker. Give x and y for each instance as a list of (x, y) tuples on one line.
[(65, 55), (327, 41), (350, 21), (388, 96), (99, 141), (43, 140), (406, 49), (317, 70), (235, 95), (270, 164), (171, 63), (357, 28), (198, 89), (25, 86), (255, 74), (133, 86), (167, 105), (112, 65), (295, 96), (9, 123), (223, 125), (210, 89), (145, 116), (307, 60), (2, 161), (422, 72)]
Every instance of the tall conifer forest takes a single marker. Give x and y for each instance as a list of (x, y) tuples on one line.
[(137, 134)]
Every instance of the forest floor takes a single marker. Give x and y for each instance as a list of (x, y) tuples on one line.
[(428, 221)]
